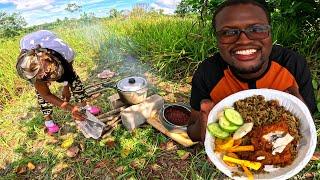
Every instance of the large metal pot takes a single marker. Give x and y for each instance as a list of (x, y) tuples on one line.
[(132, 90)]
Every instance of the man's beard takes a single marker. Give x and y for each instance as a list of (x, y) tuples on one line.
[(250, 69)]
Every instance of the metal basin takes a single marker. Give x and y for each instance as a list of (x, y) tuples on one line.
[(175, 116)]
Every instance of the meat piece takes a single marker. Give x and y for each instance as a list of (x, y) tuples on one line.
[(264, 148)]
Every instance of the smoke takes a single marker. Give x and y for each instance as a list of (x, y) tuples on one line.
[(112, 51)]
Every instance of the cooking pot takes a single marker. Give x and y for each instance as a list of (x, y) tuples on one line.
[(132, 90), (171, 122)]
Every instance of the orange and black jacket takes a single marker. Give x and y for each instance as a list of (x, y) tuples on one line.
[(215, 80)]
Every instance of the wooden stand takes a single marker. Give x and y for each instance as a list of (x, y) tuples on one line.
[(179, 136)]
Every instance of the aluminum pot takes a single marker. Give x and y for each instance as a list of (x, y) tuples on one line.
[(132, 90)]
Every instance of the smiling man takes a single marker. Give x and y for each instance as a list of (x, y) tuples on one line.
[(246, 60)]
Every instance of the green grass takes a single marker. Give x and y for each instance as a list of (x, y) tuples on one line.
[(174, 46)]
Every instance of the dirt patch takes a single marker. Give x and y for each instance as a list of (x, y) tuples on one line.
[(167, 166)]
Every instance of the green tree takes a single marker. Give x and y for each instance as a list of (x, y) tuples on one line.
[(291, 19), (11, 24), (113, 13), (87, 16), (183, 8), (73, 7)]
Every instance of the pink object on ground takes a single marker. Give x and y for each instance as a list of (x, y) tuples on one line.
[(106, 74), (53, 129), (94, 110)]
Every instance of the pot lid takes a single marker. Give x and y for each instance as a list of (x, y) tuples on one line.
[(132, 83)]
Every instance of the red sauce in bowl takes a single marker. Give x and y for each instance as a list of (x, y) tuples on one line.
[(177, 115)]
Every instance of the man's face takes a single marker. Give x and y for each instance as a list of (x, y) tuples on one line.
[(244, 55)]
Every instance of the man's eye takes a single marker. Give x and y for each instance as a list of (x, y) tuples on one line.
[(230, 32), (258, 29)]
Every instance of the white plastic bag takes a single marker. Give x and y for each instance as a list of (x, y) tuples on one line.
[(91, 127)]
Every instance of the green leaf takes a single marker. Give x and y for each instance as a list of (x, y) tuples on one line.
[(314, 84), (318, 106), (181, 153)]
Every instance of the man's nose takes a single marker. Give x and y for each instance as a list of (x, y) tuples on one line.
[(243, 38)]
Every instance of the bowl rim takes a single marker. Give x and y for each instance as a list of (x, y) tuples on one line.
[(166, 106), (264, 92)]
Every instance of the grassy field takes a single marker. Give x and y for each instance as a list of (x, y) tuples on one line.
[(170, 46)]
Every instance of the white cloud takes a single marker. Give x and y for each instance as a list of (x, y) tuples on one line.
[(90, 2), (168, 6), (168, 3), (29, 4)]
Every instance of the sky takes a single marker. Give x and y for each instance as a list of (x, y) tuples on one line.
[(37, 12)]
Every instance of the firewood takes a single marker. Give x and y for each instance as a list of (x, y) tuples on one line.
[(109, 118), (112, 112)]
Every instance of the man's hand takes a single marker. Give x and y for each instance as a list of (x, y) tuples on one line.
[(294, 91), (66, 95), (205, 107), (198, 121)]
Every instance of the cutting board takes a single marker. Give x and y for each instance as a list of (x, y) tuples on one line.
[(179, 136)]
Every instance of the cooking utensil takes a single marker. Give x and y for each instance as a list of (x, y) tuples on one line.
[(132, 90), (166, 122)]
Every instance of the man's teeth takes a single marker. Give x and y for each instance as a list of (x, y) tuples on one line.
[(246, 52)]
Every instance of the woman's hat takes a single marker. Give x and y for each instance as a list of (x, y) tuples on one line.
[(28, 65)]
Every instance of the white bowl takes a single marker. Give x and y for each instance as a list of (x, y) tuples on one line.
[(306, 145)]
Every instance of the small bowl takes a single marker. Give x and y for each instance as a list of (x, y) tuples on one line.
[(175, 116)]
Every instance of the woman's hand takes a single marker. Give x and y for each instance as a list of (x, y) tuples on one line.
[(66, 95), (75, 111), (77, 114)]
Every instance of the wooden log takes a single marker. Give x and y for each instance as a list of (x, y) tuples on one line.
[(105, 82), (110, 128), (107, 133), (112, 112), (98, 91), (115, 101), (114, 121), (110, 118)]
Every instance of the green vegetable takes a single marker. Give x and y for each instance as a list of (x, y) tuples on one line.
[(215, 130), (233, 116), (227, 125)]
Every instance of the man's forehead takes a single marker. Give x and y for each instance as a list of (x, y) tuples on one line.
[(240, 15)]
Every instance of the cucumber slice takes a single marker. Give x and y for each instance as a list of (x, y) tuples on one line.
[(215, 130), (227, 125), (233, 116), (243, 130)]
